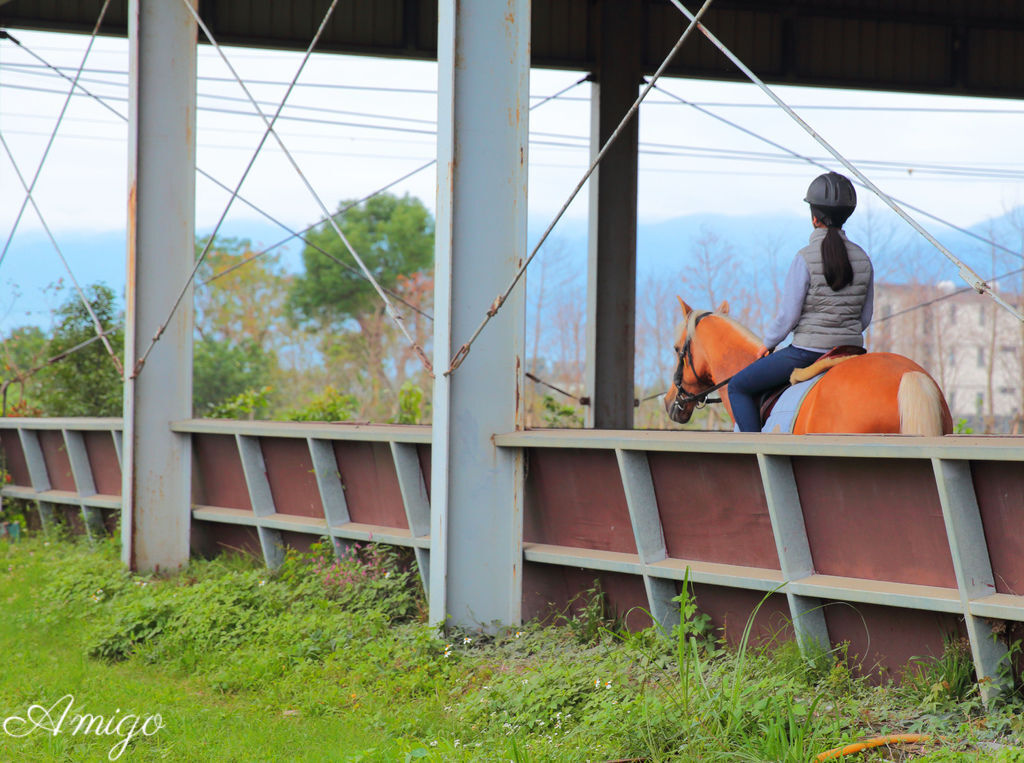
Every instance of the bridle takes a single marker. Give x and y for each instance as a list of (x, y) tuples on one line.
[(700, 399)]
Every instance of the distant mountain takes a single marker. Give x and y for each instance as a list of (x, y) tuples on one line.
[(663, 248)]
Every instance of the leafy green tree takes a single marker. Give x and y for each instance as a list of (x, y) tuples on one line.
[(222, 370), (240, 295), (85, 382), (395, 238), (241, 329)]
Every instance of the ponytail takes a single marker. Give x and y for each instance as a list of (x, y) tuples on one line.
[(834, 258)]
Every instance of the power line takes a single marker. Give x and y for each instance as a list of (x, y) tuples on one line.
[(963, 269), (579, 142)]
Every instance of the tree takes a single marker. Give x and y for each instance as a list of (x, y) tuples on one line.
[(86, 382), (395, 238), (22, 350), (222, 370), (242, 328), (241, 296)]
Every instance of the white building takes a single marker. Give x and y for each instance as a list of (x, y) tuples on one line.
[(972, 347)]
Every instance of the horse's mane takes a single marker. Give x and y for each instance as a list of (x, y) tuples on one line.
[(740, 328)]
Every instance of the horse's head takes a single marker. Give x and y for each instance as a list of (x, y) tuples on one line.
[(693, 373)]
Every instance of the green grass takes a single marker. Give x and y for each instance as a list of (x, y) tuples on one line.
[(329, 661)]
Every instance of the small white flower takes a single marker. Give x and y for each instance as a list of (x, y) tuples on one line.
[(467, 640), (526, 681), (434, 743), (262, 583), (607, 684)]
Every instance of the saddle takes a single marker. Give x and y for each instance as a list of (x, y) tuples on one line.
[(833, 357)]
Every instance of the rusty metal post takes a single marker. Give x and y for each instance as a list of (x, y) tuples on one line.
[(476, 487), (611, 269), (156, 470)]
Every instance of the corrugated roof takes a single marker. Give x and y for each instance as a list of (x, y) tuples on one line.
[(942, 46)]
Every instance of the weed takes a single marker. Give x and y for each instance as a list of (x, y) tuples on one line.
[(938, 683)]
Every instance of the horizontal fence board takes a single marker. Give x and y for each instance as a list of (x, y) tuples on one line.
[(318, 430), (972, 447)]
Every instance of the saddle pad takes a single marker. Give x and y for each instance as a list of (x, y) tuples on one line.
[(783, 415)]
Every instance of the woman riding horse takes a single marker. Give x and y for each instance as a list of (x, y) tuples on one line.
[(826, 302)]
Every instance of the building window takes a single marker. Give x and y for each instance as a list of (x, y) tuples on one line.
[(886, 310), (1007, 390), (981, 315), (979, 403), (952, 312), (1008, 348), (952, 357), (981, 357)]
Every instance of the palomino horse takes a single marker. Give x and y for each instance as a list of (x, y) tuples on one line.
[(876, 392)]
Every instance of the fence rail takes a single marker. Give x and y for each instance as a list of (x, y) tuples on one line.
[(918, 537)]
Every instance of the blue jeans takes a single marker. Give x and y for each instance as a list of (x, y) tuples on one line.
[(746, 387)]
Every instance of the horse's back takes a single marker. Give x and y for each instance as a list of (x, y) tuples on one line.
[(862, 395)]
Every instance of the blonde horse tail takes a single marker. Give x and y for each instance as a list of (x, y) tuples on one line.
[(920, 405)]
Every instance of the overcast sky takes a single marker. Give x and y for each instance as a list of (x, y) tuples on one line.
[(356, 124)]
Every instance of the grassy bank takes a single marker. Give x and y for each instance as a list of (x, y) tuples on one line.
[(330, 660)]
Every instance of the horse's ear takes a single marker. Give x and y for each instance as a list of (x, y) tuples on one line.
[(723, 309), (686, 307)]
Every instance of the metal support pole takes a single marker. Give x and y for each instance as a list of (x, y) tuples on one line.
[(611, 267), (476, 487), (156, 477)]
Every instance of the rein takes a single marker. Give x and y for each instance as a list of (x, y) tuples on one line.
[(686, 354)]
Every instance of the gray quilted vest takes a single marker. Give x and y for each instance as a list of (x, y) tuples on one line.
[(831, 318)]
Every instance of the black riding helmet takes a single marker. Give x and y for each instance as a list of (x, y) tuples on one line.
[(832, 198)]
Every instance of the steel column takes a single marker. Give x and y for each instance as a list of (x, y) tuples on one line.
[(611, 267), (156, 477), (483, 107), (972, 565)]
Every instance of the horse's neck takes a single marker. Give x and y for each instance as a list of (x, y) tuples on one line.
[(730, 349)]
